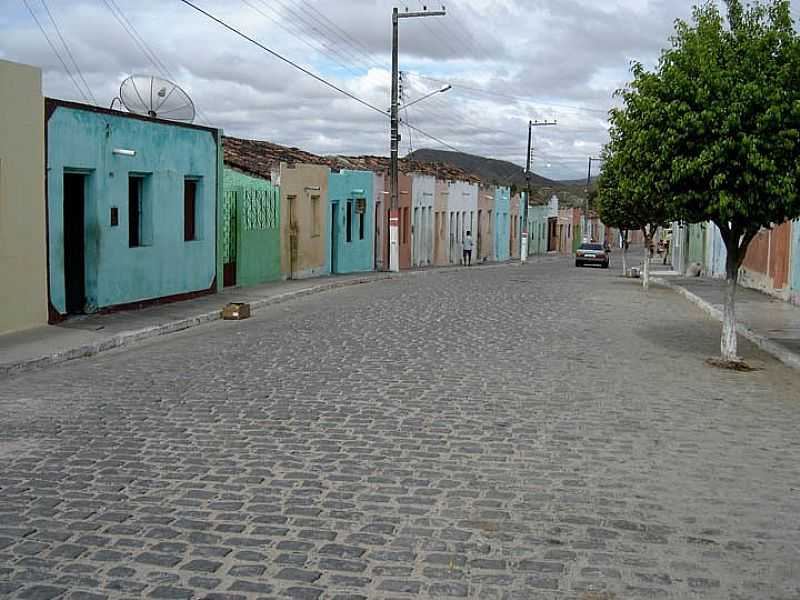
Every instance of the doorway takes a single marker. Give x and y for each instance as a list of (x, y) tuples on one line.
[(74, 243), (334, 237)]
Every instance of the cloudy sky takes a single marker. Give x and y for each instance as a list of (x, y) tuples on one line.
[(507, 60)]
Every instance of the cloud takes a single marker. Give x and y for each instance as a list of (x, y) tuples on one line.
[(508, 61)]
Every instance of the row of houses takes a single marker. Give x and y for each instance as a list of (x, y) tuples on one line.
[(772, 262), (102, 209)]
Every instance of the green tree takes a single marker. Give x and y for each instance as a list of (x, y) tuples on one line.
[(631, 195), (723, 109)]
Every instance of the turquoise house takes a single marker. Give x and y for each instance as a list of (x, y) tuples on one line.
[(502, 230), (131, 208), (539, 226), (350, 229)]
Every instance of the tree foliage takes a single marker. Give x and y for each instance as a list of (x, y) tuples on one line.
[(723, 108), (713, 131), (631, 193)]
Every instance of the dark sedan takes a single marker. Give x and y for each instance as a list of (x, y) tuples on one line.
[(591, 254)]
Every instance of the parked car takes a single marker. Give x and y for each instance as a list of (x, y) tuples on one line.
[(590, 253)]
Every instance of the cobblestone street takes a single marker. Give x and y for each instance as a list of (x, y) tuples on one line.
[(511, 432)]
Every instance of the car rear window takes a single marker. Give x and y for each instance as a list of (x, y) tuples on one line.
[(591, 246)]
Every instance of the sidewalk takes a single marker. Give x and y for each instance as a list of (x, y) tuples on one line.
[(771, 324), (83, 336)]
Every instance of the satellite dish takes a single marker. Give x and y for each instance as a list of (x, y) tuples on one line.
[(156, 97)]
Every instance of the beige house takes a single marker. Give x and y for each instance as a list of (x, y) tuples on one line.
[(304, 218), (23, 250), (485, 234)]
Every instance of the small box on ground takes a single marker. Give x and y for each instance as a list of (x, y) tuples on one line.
[(235, 311)]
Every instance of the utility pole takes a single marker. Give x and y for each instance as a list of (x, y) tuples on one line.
[(588, 184), (394, 140), (523, 255)]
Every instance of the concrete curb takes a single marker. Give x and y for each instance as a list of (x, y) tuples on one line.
[(131, 337), (784, 355)]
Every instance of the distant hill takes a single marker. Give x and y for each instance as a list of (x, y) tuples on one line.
[(492, 170), (502, 172)]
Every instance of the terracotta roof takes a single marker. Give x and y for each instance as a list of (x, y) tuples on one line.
[(259, 158)]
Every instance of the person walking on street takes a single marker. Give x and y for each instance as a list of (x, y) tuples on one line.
[(468, 249)]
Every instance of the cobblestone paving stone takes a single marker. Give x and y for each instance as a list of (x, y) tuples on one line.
[(506, 433)]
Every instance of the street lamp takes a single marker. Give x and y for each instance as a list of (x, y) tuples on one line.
[(441, 90)]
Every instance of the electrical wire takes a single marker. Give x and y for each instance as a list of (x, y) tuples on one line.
[(296, 32), (461, 25), (127, 26), (358, 46), (322, 31), (311, 74), (150, 55), (69, 52), (56, 52), (526, 99)]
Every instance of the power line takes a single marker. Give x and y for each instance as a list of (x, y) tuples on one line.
[(127, 26), (527, 99), (297, 32), (150, 55), (283, 58), (333, 45), (55, 51), (157, 61), (469, 48), (359, 47), (434, 138), (310, 73), (468, 31), (69, 52)]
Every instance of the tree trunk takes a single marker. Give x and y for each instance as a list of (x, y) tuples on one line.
[(728, 344), (648, 236), (624, 259)]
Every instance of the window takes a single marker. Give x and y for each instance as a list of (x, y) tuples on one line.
[(349, 221), (361, 211), (315, 220), (135, 211), (189, 210)]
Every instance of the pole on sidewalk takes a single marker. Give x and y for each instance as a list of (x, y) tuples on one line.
[(394, 141), (523, 254), (588, 184), (524, 250)]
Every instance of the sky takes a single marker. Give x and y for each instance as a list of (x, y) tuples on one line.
[(508, 61)]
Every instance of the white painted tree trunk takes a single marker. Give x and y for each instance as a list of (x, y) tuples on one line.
[(646, 269), (624, 259), (728, 344)]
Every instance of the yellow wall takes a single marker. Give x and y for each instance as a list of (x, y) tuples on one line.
[(303, 181), (23, 263)]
